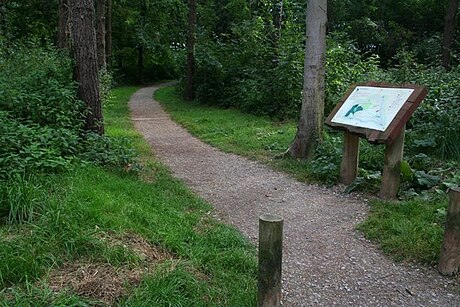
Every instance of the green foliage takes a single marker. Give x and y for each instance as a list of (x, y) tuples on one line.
[(42, 120), (30, 147), (213, 264), (109, 152), (346, 65), (36, 86), (434, 127), (326, 164)]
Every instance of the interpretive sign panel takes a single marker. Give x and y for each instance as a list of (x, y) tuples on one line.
[(376, 111), (372, 107)]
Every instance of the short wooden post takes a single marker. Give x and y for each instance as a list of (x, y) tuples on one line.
[(449, 261), (350, 157), (392, 167), (270, 257)]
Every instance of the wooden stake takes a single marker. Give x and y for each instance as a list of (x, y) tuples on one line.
[(350, 157), (449, 261), (392, 167), (270, 258)]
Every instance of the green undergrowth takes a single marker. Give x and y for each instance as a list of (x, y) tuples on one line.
[(74, 212), (410, 229)]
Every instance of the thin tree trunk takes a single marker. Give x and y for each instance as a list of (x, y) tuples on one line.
[(140, 47), (312, 112), (140, 63), (450, 21), (63, 31), (189, 94), (108, 36), (85, 55), (100, 34), (3, 26)]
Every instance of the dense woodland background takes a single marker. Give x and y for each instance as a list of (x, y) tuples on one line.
[(247, 55), (71, 182)]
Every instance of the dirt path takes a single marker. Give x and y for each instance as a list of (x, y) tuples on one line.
[(325, 261)]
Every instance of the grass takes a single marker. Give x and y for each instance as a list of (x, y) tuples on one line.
[(210, 264), (406, 230), (409, 231), (257, 138)]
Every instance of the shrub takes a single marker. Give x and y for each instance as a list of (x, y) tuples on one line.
[(36, 85), (109, 152)]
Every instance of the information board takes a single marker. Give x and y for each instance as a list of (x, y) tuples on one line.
[(376, 110), (372, 107)]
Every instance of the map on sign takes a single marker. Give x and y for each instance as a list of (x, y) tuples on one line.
[(372, 107)]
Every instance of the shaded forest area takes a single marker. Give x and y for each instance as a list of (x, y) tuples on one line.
[(246, 55)]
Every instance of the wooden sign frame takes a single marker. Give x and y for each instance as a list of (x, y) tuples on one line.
[(396, 125), (392, 137)]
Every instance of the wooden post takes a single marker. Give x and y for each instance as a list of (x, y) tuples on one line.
[(392, 167), (270, 257), (350, 157), (449, 261)]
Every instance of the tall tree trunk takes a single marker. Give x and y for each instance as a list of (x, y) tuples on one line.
[(189, 94), (85, 56), (312, 112), (450, 21), (140, 47), (100, 34), (277, 18), (140, 63), (3, 26), (63, 31), (108, 36)]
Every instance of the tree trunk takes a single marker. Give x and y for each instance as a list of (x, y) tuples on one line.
[(140, 63), (312, 112), (449, 260), (140, 47), (108, 36), (85, 56), (450, 21), (3, 26), (64, 26), (189, 94), (100, 34)]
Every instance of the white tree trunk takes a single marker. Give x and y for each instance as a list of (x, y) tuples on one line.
[(312, 112)]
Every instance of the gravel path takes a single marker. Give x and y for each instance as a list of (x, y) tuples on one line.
[(325, 261)]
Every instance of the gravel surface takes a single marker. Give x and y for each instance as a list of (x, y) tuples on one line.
[(325, 261)]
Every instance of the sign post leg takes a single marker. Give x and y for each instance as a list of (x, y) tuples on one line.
[(392, 167), (350, 157)]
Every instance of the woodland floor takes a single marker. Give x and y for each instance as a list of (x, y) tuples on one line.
[(326, 261)]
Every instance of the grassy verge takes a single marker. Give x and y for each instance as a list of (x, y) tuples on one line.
[(232, 131), (408, 230), (153, 238)]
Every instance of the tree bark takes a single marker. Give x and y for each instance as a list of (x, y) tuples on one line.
[(100, 34), (189, 94), (450, 21), (140, 47), (449, 260), (312, 111), (85, 56), (64, 25), (108, 36)]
